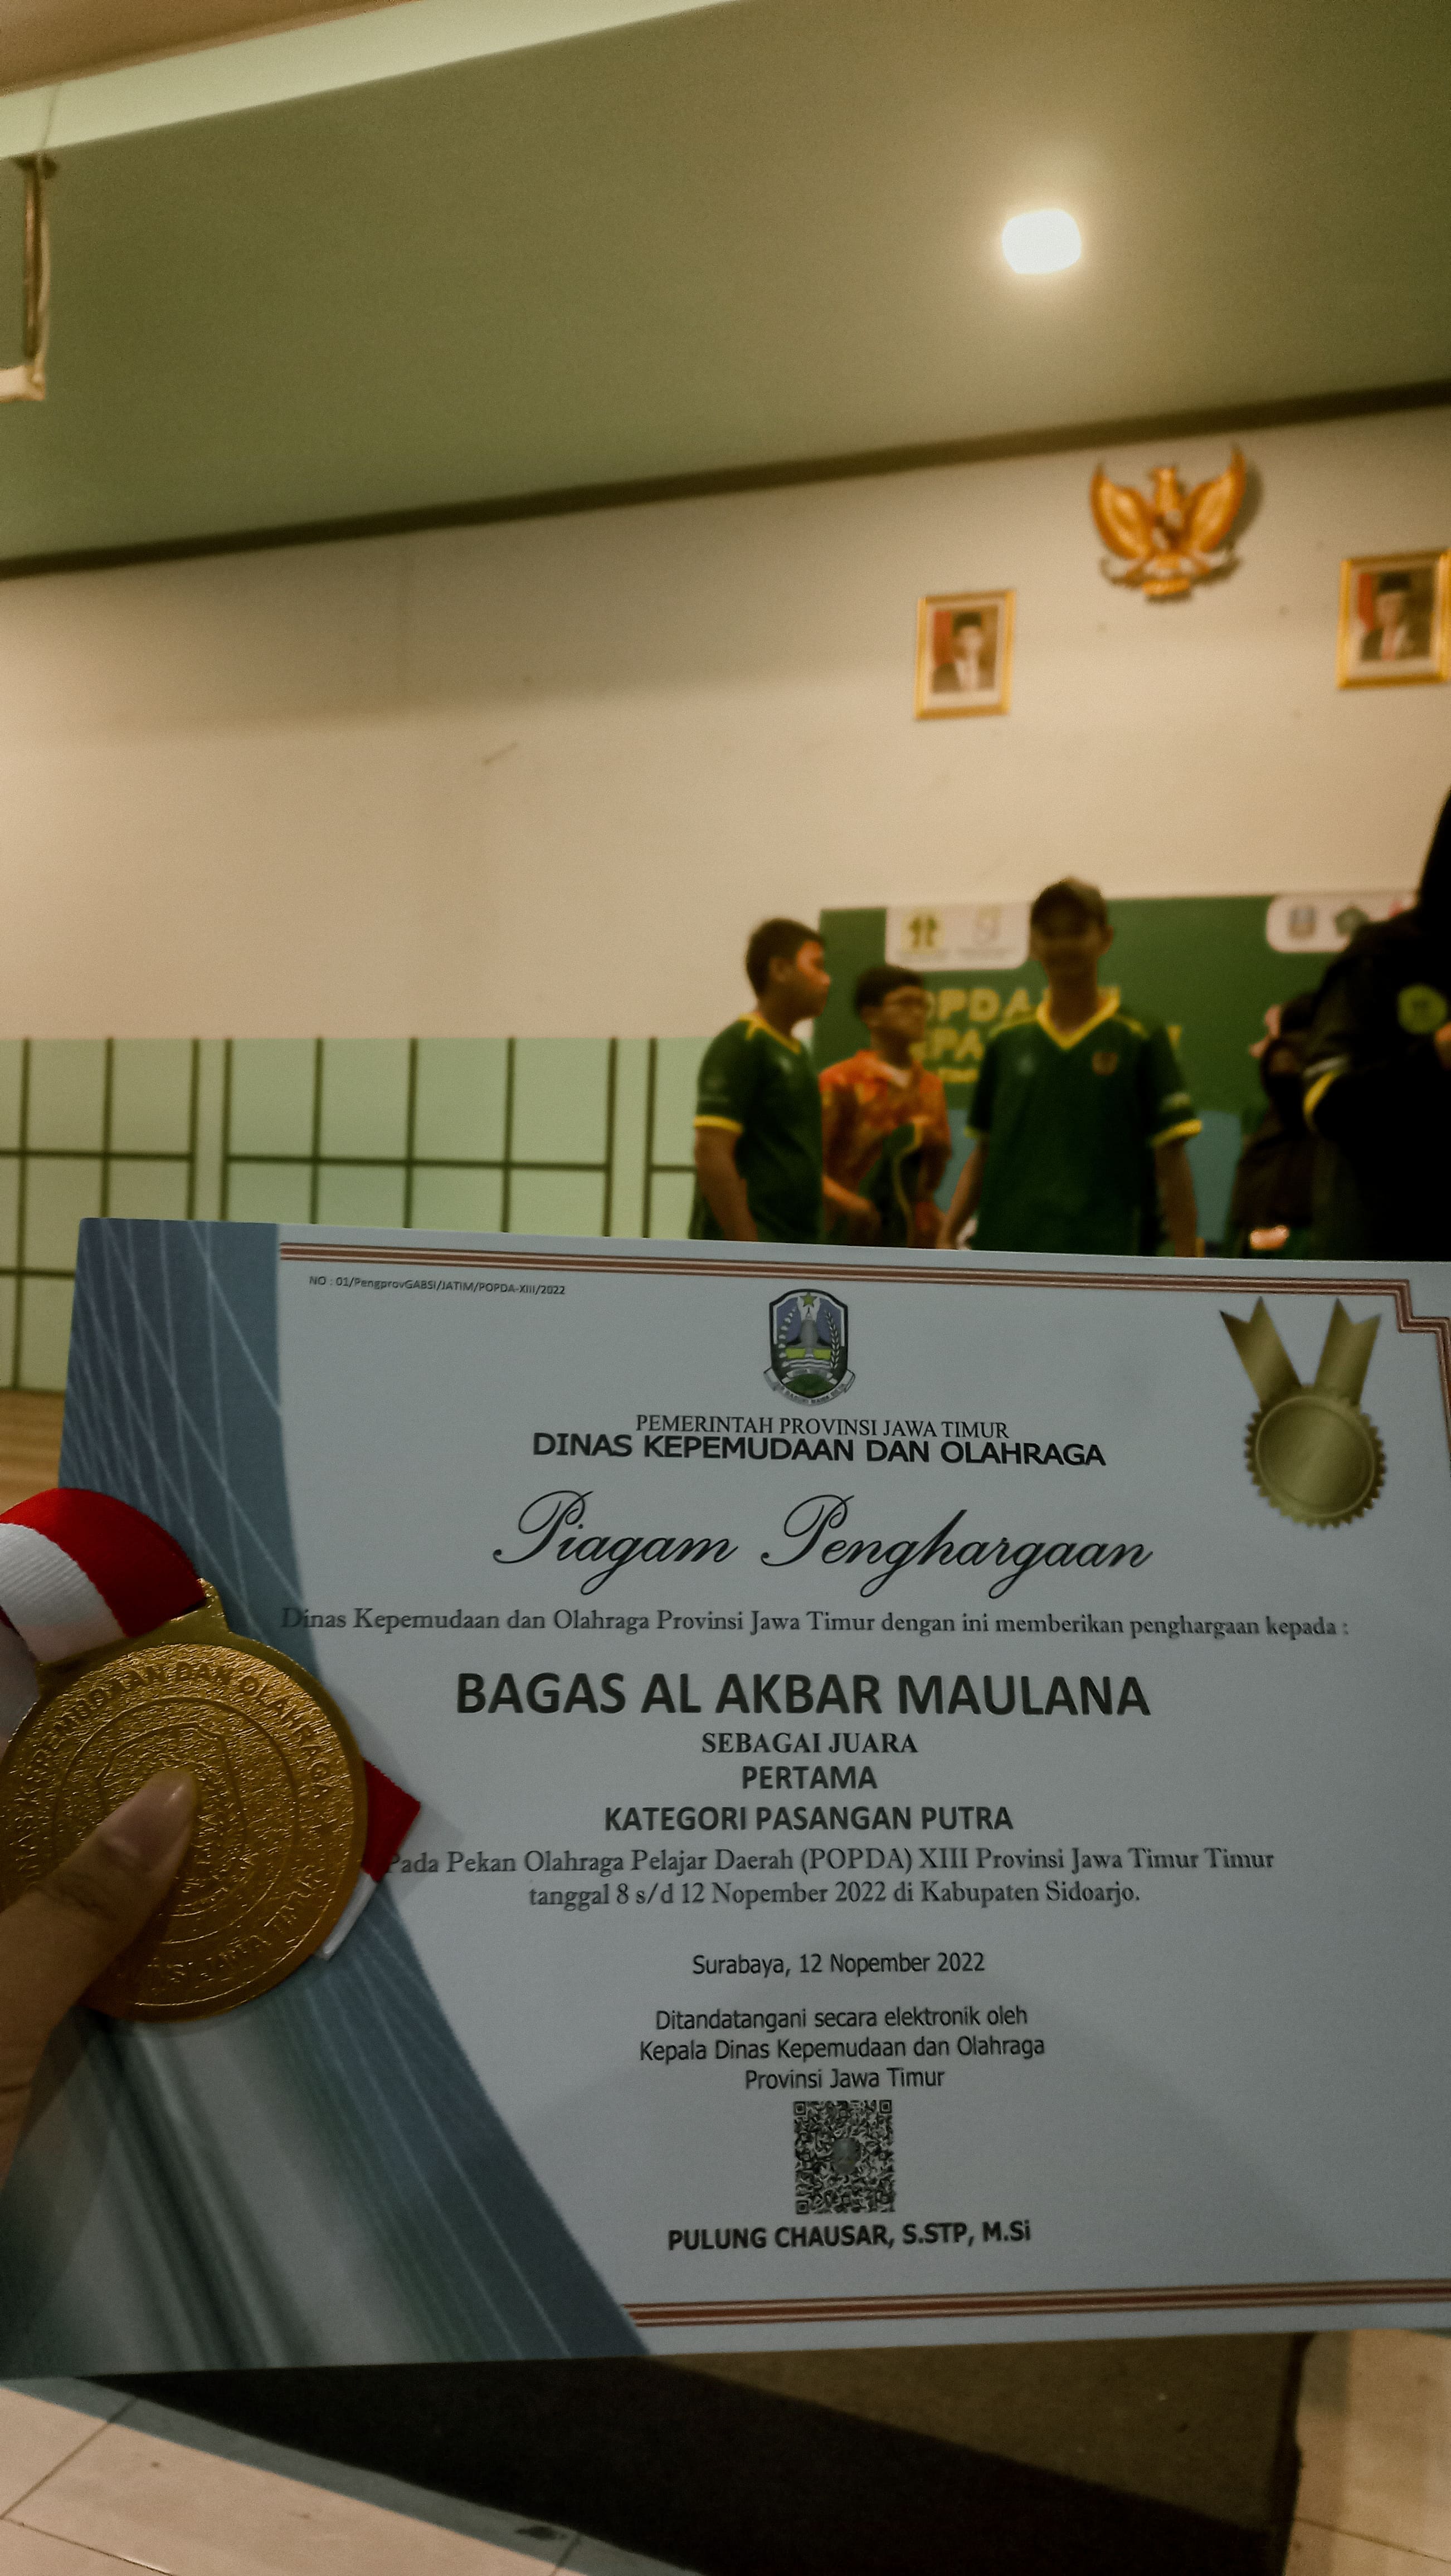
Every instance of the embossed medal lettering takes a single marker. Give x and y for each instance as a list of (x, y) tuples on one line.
[(281, 1814)]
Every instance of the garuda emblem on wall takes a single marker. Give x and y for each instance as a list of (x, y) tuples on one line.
[(1169, 542)]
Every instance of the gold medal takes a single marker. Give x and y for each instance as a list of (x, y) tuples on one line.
[(281, 1811), (1310, 1449), (1316, 1458)]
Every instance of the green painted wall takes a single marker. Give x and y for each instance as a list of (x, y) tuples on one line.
[(522, 1136)]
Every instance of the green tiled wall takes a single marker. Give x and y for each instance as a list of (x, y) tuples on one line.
[(488, 1135)]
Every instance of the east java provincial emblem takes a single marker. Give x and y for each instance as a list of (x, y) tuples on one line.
[(1173, 540), (808, 1346), (1310, 1449)]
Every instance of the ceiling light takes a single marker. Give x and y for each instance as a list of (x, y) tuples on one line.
[(1037, 243)]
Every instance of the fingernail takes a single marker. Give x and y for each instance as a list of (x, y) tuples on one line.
[(146, 1830)]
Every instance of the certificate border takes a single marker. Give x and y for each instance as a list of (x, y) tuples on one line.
[(1204, 2296), (972, 1274), (653, 2316)]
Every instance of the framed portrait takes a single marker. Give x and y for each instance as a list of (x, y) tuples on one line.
[(1395, 619), (965, 653)]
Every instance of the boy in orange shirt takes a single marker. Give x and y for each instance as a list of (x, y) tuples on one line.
[(885, 1136)]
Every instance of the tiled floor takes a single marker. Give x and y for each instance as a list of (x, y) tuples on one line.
[(91, 2482), (1375, 2430)]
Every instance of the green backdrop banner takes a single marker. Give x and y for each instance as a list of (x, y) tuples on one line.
[(1200, 963)]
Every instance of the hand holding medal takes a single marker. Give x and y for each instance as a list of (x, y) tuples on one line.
[(134, 1673), (60, 1936)]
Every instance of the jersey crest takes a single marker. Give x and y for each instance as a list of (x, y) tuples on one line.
[(1421, 1009)]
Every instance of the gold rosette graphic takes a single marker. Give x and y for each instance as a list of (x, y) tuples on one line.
[(1310, 1449)]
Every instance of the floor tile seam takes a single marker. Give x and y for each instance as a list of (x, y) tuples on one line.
[(1374, 2540), (156, 2567), (374, 2490), (115, 2557), (89, 2549), (104, 2557), (12, 2511), (123, 2558)]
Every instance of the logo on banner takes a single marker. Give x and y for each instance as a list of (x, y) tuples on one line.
[(1310, 1449), (808, 1346)]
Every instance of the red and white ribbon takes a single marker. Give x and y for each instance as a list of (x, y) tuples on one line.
[(391, 1812), (80, 1570)]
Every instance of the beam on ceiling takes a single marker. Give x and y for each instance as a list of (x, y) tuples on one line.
[(316, 51), (1089, 436), (45, 41)]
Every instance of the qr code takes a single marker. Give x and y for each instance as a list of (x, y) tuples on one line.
[(843, 2156)]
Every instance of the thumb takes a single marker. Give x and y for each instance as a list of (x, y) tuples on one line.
[(57, 1938)]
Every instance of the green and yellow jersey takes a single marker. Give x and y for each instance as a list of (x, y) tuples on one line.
[(761, 1089), (1071, 1124)]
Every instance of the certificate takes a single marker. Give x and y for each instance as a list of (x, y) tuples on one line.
[(935, 1775)]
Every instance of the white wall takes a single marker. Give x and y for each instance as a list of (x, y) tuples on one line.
[(541, 778)]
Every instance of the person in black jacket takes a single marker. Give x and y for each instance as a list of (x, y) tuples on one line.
[(1273, 1203), (1378, 1081)]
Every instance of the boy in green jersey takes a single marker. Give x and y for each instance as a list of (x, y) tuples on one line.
[(758, 1109), (1081, 1112)]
